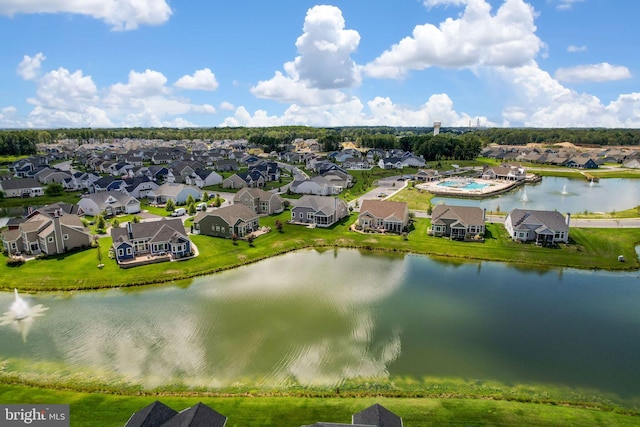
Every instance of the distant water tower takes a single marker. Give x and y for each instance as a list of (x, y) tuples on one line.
[(436, 128)]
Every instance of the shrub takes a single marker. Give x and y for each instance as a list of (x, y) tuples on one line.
[(15, 261)]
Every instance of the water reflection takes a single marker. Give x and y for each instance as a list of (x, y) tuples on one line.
[(296, 319), (323, 318)]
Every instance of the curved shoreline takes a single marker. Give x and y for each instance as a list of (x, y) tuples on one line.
[(367, 247)]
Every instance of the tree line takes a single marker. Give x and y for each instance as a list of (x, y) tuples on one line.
[(458, 143)]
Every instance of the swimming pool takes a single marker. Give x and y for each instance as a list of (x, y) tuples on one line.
[(464, 185)]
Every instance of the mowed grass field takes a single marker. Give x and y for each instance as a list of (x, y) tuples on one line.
[(105, 410)]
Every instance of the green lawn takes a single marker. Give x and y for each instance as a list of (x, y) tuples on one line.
[(592, 248), (105, 410), (417, 200)]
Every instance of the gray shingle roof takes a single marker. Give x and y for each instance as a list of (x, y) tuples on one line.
[(377, 415), (551, 219), (384, 208), (199, 415), (21, 183), (152, 415), (230, 214), (469, 215)]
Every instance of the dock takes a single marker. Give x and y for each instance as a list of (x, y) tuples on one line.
[(590, 177)]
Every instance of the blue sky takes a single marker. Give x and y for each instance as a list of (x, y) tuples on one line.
[(178, 63)]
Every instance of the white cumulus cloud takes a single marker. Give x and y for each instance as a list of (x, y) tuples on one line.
[(476, 38), (325, 48), (602, 72), (200, 80), (544, 102), (72, 99), (381, 111), (29, 68), (323, 67), (120, 14)]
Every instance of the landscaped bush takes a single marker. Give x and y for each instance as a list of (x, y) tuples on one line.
[(15, 261)]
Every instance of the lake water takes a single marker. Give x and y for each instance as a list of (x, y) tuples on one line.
[(322, 317), (562, 194)]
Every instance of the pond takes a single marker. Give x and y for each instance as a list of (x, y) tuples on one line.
[(321, 317), (562, 194)]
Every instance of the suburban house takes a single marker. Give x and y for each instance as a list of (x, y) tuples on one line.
[(383, 215), (409, 160), (270, 170), (253, 178), (178, 193), (262, 202), (204, 178), (50, 175), (317, 185), (582, 163), (356, 163), (51, 234), (320, 211), (374, 416), (164, 238), (226, 165), (542, 227), (159, 414), (237, 219), (139, 187), (457, 222), (391, 163), (21, 187), (632, 164), (109, 203), (108, 183)]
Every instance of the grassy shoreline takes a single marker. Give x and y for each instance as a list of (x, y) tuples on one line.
[(446, 408), (590, 249)]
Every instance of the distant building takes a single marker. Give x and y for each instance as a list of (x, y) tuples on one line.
[(436, 128)]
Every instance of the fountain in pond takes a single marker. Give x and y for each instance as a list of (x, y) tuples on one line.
[(564, 190), (524, 197), (591, 183), (19, 308), (21, 315)]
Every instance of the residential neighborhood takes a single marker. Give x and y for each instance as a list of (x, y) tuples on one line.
[(122, 181)]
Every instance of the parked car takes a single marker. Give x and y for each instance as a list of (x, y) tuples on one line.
[(201, 206), (179, 212)]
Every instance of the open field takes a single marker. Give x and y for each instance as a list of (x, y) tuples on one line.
[(100, 409)]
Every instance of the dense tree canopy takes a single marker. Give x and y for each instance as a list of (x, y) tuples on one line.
[(452, 142)]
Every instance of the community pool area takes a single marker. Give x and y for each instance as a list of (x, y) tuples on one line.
[(468, 184)]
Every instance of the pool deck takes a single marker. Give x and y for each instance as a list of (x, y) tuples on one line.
[(493, 188)]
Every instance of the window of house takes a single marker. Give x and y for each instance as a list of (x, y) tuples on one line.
[(222, 229), (13, 245), (120, 252), (301, 216), (129, 251), (65, 236), (50, 239)]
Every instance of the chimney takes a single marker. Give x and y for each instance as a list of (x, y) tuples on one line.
[(568, 218), (484, 214)]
